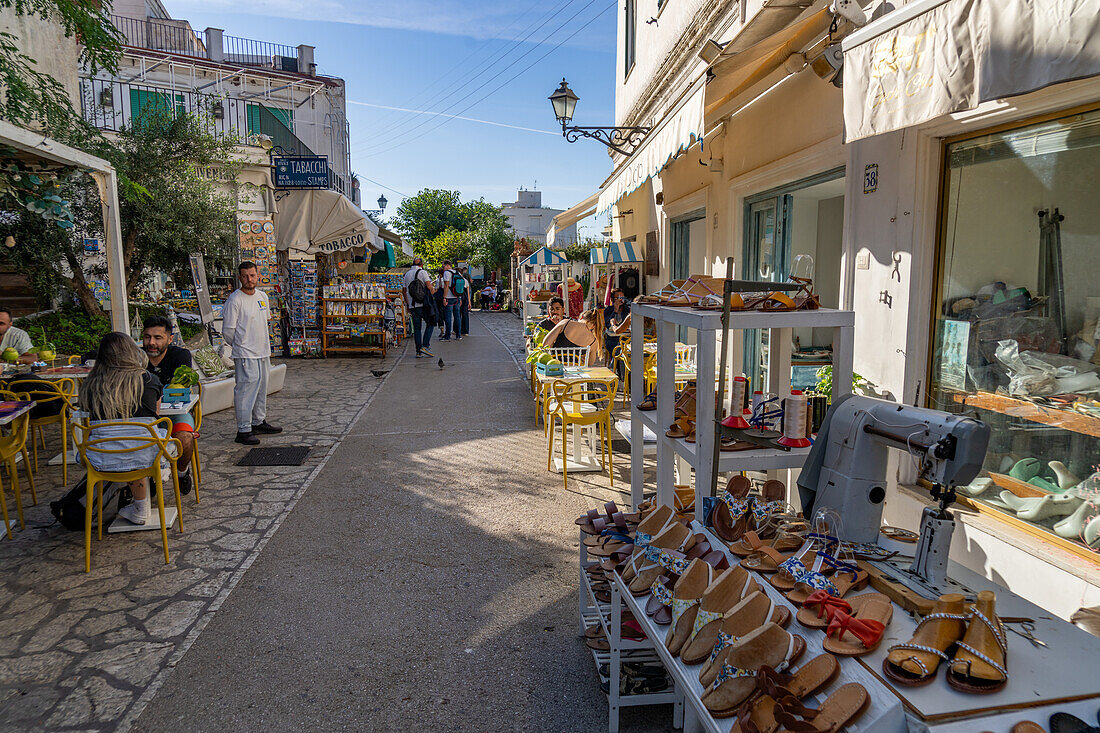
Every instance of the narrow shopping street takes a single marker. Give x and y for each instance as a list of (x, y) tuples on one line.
[(418, 573)]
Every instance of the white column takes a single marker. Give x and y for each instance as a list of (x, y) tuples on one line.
[(107, 183), (704, 417), (666, 396), (637, 393)]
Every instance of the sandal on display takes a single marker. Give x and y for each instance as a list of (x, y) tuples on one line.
[(839, 578), (914, 663), (839, 709), (682, 428), (655, 522), (685, 403), (723, 594), (793, 570), (757, 714), (750, 542), (864, 628), (735, 678), (819, 608), (803, 299), (733, 514), (753, 612), (659, 605), (980, 663), (1066, 723), (686, 596), (663, 553), (660, 296), (648, 403)]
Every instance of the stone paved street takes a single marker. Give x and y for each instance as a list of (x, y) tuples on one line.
[(417, 573)]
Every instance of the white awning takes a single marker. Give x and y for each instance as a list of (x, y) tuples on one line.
[(935, 57), (323, 220), (677, 132), (570, 216)]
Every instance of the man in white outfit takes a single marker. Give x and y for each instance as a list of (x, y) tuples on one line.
[(244, 328)]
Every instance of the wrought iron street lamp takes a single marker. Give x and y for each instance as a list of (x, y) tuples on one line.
[(382, 202), (623, 140)]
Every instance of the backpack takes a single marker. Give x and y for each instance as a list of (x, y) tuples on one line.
[(458, 284), (69, 509), (418, 291)]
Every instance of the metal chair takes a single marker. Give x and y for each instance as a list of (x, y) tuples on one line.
[(588, 403), (11, 445), (46, 392)]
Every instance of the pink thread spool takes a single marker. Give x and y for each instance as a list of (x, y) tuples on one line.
[(795, 421), (736, 418)]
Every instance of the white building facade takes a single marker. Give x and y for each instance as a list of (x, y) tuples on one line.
[(529, 219)]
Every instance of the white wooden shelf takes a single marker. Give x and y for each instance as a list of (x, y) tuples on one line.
[(757, 459)]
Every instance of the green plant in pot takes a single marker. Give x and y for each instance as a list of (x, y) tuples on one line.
[(824, 384)]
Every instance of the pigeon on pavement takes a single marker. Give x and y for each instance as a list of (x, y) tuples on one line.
[(379, 372), (441, 363)]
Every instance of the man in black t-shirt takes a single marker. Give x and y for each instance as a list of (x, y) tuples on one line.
[(164, 358)]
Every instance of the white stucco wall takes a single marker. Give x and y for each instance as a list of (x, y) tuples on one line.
[(46, 43)]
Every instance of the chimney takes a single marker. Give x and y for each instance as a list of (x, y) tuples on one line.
[(305, 60), (215, 46)]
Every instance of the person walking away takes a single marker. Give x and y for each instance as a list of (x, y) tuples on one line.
[(120, 387), (488, 295), (463, 287), (244, 328), (419, 294), (164, 359), (450, 302), (614, 316), (15, 338)]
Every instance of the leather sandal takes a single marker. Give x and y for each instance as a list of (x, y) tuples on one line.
[(654, 523), (789, 571), (864, 628), (735, 679), (751, 613), (751, 541), (719, 602), (979, 666), (733, 514), (819, 608), (914, 663), (661, 555), (841, 578), (839, 709), (686, 596), (757, 714)]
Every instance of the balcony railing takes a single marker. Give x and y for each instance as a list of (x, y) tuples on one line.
[(177, 37), (112, 105)]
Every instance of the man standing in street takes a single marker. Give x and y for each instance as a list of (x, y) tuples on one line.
[(614, 315), (244, 328), (164, 359), (15, 338), (450, 302), (418, 291)]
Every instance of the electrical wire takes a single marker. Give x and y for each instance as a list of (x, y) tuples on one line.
[(481, 67), (394, 190), (498, 87)]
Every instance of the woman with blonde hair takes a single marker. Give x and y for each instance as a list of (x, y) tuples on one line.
[(587, 330), (120, 387)]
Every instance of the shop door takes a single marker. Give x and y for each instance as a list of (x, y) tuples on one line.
[(765, 259), (680, 254)]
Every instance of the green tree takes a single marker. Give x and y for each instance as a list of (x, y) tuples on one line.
[(30, 95), (491, 242), (428, 214), (450, 245), (167, 210), (427, 218)]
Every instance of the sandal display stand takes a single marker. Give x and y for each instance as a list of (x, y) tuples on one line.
[(708, 325)]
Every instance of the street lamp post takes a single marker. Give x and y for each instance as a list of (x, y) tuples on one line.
[(623, 140), (377, 213)]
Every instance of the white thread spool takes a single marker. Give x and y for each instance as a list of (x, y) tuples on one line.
[(795, 422), (736, 417)]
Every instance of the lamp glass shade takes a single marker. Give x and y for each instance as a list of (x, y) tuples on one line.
[(564, 102), (382, 202)]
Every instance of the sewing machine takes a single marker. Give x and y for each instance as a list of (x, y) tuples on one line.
[(846, 472)]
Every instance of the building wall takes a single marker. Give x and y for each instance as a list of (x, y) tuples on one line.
[(46, 43)]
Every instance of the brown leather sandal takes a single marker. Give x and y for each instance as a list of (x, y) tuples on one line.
[(733, 515), (980, 664), (914, 663), (753, 612), (722, 595), (757, 714), (839, 709), (735, 678)]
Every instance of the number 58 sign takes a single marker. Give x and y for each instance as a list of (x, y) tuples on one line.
[(870, 178)]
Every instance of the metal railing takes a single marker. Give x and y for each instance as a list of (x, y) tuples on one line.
[(112, 105), (177, 37), (172, 36)]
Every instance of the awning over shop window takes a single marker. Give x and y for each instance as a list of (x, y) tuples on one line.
[(677, 132), (323, 221), (384, 257), (544, 256), (570, 216), (615, 253), (934, 57)]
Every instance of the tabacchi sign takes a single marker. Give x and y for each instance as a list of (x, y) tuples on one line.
[(301, 172)]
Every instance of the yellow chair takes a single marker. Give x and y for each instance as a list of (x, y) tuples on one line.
[(44, 392), (11, 445), (196, 469), (89, 444), (73, 361), (568, 356), (587, 403)]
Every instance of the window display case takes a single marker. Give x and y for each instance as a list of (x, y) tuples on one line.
[(1016, 319)]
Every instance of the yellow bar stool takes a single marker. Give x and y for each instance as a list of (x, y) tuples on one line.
[(11, 445), (143, 441)]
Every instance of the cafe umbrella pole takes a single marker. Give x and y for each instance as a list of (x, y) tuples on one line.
[(727, 292)]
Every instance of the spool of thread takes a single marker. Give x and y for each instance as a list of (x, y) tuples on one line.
[(795, 428), (736, 417)]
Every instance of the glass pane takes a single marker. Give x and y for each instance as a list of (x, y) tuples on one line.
[(1015, 341)]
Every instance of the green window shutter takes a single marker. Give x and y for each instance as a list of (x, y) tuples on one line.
[(254, 117), (145, 99)]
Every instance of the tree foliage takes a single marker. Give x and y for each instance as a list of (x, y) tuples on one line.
[(166, 209), (30, 95), (441, 226)]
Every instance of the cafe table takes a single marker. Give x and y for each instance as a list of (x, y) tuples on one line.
[(586, 453), (9, 411)]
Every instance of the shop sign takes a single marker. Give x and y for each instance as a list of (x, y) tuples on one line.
[(91, 246), (339, 244), (301, 172)]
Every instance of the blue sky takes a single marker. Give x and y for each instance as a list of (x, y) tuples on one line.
[(445, 56)]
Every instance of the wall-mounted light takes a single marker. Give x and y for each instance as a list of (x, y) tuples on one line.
[(218, 111), (106, 97), (623, 140)]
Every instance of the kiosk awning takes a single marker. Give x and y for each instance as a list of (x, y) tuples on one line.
[(545, 256), (323, 220), (935, 57), (678, 131), (572, 215), (615, 253)]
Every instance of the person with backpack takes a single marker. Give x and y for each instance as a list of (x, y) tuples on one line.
[(462, 286), (419, 295)]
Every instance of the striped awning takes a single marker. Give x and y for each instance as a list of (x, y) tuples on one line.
[(545, 256), (615, 253)]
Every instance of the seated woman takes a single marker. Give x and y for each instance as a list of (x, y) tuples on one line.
[(120, 387), (585, 331)]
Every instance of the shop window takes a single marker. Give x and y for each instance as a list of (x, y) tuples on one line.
[(629, 37), (1015, 332)]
